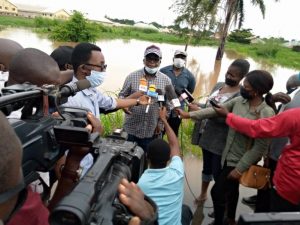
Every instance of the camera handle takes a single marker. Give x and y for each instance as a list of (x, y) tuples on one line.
[(70, 174)]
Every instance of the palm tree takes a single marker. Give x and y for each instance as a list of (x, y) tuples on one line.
[(234, 11), (197, 14)]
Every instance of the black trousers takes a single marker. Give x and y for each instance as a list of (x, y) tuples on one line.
[(279, 204), (263, 200), (225, 195)]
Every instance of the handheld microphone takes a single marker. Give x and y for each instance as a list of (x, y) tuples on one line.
[(160, 98), (151, 93), (182, 96), (172, 97), (71, 89), (143, 86), (190, 97)]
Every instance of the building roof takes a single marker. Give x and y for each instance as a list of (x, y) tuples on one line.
[(145, 25), (32, 8), (98, 18)]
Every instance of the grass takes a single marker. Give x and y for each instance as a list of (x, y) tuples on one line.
[(284, 56), (14, 21)]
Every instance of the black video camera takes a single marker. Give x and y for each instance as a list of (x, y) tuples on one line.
[(46, 138), (38, 131), (94, 199)]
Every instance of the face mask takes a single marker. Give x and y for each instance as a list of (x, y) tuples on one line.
[(245, 94), (151, 71), (230, 82), (96, 78), (178, 62)]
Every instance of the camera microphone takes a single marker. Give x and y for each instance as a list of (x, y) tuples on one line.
[(71, 89)]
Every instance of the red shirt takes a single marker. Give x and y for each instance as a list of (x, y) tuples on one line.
[(33, 212), (286, 124)]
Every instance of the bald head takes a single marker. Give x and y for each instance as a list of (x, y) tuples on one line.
[(34, 66), (10, 155), (8, 49), (10, 166)]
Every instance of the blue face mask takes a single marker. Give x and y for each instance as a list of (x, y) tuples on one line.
[(151, 71), (96, 78)]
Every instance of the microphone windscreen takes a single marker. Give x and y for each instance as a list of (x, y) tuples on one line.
[(170, 92), (83, 84), (171, 96), (159, 91), (177, 92), (160, 95)]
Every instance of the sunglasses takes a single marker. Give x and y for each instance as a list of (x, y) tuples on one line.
[(152, 59)]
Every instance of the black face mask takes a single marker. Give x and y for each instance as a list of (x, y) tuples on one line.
[(230, 82), (245, 94)]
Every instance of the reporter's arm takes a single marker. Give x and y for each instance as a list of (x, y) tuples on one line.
[(172, 138), (124, 103)]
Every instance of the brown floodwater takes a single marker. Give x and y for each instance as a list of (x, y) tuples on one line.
[(125, 56)]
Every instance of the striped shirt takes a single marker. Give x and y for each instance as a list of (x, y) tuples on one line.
[(139, 123)]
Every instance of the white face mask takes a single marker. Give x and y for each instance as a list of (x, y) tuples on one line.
[(96, 78), (179, 63), (151, 70)]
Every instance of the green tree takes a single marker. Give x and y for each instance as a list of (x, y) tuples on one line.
[(235, 12), (76, 29), (241, 36), (196, 15)]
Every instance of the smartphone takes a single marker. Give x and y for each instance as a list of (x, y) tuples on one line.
[(214, 103)]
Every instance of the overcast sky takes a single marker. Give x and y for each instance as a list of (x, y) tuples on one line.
[(281, 20)]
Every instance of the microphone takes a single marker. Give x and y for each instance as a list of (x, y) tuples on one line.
[(71, 89), (160, 98), (185, 96), (172, 97), (151, 93), (182, 96), (143, 85), (190, 97)]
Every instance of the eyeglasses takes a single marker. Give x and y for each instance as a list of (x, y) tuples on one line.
[(102, 67)]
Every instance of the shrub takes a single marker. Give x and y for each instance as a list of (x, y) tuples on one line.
[(240, 36), (76, 29), (269, 49)]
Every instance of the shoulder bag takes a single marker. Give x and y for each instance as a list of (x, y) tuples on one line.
[(256, 176)]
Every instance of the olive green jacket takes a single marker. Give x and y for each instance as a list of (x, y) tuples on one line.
[(240, 151)]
